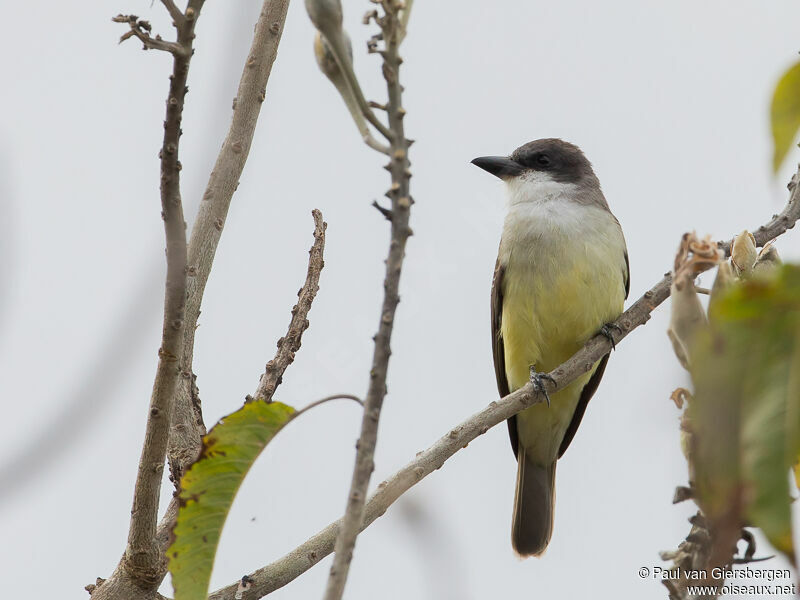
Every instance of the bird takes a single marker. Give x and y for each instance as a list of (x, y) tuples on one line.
[(562, 276)]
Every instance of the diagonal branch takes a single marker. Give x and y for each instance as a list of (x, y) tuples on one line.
[(290, 343), (174, 12), (188, 427), (353, 519), (284, 570)]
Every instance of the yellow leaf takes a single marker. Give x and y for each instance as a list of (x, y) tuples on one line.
[(797, 474)]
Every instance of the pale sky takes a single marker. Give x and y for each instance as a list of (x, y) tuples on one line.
[(668, 100)]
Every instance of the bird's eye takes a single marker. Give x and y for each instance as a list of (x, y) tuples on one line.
[(543, 160)]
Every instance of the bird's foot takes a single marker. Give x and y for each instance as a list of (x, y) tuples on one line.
[(538, 379), (606, 332)]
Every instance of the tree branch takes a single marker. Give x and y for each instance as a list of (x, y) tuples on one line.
[(400, 232), (188, 427), (143, 561), (174, 12), (143, 566), (282, 360), (277, 574), (289, 344), (287, 347), (141, 30)]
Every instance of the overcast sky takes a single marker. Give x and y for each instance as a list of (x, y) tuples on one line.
[(668, 100)]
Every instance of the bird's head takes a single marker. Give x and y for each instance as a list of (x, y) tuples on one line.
[(541, 166)]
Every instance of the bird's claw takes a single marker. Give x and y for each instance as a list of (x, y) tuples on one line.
[(606, 332), (537, 380)]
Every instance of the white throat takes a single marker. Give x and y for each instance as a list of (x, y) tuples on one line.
[(538, 187), (544, 213)]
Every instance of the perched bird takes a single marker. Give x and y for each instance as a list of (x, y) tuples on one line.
[(561, 277)]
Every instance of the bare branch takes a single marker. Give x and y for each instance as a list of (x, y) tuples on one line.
[(143, 560), (282, 360), (691, 556), (143, 567), (141, 30), (187, 419), (288, 345), (352, 522), (694, 555), (143, 564), (279, 573), (177, 16), (387, 213)]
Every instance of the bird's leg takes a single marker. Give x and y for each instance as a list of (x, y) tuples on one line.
[(537, 379), (605, 331)]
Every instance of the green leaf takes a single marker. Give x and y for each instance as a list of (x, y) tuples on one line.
[(764, 474), (209, 487), (785, 114), (746, 411)]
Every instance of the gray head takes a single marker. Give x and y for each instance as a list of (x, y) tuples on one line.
[(550, 158)]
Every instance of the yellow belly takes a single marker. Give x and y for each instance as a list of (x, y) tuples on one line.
[(549, 312)]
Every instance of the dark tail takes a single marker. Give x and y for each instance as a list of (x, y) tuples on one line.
[(532, 524)]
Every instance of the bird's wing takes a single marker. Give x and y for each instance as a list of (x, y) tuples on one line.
[(627, 275), (498, 350), (591, 386)]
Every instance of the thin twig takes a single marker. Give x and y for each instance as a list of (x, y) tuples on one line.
[(290, 343), (387, 213), (279, 573), (353, 519), (141, 30), (327, 399), (287, 346)]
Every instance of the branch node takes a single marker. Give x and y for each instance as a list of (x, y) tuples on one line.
[(387, 213)]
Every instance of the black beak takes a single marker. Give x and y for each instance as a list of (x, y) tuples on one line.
[(500, 166)]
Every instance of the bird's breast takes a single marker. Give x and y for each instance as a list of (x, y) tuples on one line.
[(564, 278)]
